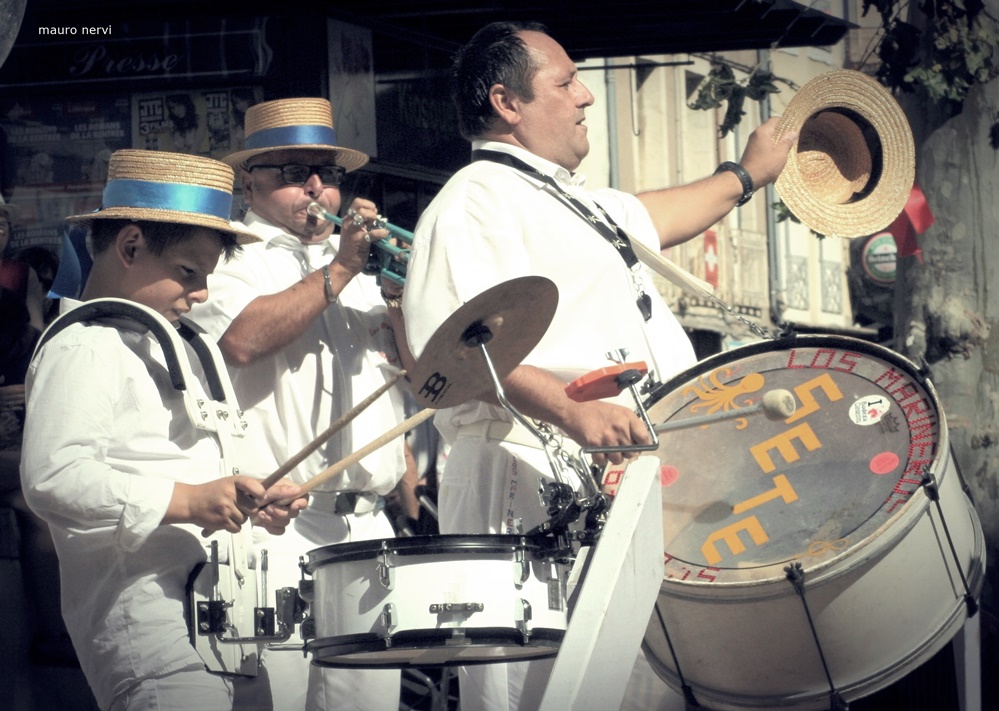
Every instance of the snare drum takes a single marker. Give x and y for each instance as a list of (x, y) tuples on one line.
[(426, 601), (804, 558)]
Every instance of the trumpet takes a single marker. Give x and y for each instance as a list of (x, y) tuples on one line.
[(385, 260)]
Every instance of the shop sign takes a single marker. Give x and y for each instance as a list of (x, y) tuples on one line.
[(878, 258), (210, 48)]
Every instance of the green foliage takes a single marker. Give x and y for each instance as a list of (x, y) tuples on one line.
[(958, 49), (720, 86)]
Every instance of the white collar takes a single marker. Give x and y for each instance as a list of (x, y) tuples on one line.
[(544, 166)]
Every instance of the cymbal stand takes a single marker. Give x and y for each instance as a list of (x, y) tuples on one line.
[(562, 501)]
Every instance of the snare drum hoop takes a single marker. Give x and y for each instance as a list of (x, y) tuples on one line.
[(896, 524), (364, 650), (538, 548)]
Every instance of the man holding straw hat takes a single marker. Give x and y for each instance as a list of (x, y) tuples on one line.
[(307, 341)]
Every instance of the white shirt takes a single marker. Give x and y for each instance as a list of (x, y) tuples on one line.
[(106, 437), (294, 395), (491, 223)]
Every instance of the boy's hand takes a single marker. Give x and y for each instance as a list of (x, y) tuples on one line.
[(220, 505), (280, 504)]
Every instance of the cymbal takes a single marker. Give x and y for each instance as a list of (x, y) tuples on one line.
[(510, 319)]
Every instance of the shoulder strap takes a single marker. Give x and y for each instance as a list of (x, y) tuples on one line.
[(612, 233), (104, 309), (616, 237), (178, 366)]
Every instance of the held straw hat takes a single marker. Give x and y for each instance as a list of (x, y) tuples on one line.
[(8, 212), (854, 163), (168, 187), (286, 124)]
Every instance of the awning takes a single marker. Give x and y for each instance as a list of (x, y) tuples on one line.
[(427, 33)]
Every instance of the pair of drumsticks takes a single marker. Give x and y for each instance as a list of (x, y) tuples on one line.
[(361, 453)]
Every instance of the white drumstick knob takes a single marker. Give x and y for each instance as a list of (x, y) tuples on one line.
[(775, 404), (778, 404)]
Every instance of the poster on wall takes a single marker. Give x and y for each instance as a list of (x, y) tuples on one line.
[(56, 151), (205, 122), (55, 159)]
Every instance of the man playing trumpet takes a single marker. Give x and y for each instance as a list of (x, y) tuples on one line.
[(306, 341)]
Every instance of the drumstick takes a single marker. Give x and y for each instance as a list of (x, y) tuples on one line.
[(330, 431), (400, 429)]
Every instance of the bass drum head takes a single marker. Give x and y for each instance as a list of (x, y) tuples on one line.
[(825, 496)]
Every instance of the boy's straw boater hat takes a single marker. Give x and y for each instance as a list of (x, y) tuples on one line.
[(853, 165), (168, 187), (286, 124)]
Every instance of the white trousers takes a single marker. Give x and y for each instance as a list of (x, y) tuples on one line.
[(287, 680), (492, 487), (192, 689)]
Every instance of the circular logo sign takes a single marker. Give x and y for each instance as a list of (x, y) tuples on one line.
[(879, 258)]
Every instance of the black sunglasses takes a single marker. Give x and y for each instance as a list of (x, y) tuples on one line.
[(297, 174)]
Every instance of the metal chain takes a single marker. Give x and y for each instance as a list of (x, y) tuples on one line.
[(555, 443), (754, 327)]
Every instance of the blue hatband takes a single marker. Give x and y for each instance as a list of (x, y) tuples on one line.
[(291, 136), (177, 197)]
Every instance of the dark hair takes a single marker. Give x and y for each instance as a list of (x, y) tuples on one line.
[(187, 122), (495, 55), (42, 260), (159, 235)]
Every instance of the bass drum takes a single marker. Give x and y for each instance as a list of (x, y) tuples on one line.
[(805, 559), (427, 601)]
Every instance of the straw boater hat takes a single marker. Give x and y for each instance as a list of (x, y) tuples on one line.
[(168, 187), (287, 124), (854, 162), (8, 212)]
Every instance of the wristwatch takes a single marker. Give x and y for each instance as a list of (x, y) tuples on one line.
[(743, 175), (393, 302)]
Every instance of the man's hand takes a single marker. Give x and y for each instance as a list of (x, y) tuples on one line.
[(11, 398), (602, 424), (764, 158), (356, 236)]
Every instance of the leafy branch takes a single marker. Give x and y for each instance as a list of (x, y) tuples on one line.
[(720, 86), (957, 49)]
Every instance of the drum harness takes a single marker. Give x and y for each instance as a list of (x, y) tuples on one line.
[(219, 604), (794, 572)]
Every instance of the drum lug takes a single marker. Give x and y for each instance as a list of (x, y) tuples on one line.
[(386, 573), (389, 615), (521, 567), (522, 617), (306, 587), (308, 628)]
